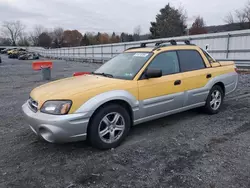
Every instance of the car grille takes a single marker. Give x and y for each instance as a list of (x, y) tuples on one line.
[(33, 104)]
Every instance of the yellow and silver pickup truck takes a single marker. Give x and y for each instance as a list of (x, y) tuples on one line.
[(141, 84)]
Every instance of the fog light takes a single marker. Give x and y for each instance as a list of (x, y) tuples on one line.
[(46, 134)]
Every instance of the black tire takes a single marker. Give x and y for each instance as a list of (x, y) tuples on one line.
[(208, 108), (93, 130)]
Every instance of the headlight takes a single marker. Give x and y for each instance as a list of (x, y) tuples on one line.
[(56, 107)]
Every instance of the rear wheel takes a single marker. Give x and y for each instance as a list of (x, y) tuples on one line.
[(214, 100), (109, 127)]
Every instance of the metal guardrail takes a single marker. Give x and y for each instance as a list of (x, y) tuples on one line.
[(243, 64), (233, 45)]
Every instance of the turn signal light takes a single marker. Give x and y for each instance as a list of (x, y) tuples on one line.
[(65, 108), (80, 73), (235, 68)]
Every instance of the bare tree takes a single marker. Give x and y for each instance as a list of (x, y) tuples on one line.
[(58, 37), (184, 15), (58, 32), (13, 30), (34, 35), (242, 16), (23, 40), (229, 19), (137, 33), (5, 41), (247, 13), (137, 30)]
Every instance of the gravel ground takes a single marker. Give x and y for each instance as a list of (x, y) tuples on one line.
[(190, 149)]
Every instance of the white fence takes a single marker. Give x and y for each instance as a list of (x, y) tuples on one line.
[(233, 45)]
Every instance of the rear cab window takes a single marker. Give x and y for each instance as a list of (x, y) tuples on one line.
[(190, 60)]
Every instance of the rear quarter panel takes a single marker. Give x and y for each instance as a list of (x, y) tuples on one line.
[(225, 73)]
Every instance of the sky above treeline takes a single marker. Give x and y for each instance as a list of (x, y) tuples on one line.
[(109, 15)]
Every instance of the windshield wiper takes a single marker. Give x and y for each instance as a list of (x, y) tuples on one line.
[(103, 74)]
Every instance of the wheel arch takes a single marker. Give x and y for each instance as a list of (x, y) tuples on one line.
[(95, 102), (121, 97), (120, 102), (222, 85)]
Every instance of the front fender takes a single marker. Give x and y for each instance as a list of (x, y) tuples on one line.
[(92, 104)]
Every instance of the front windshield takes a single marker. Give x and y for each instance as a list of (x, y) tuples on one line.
[(125, 65)]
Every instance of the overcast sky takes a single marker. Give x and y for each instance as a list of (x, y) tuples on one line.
[(108, 15)]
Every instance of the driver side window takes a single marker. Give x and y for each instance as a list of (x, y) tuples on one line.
[(167, 62)]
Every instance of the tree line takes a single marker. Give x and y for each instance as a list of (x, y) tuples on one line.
[(14, 34), (169, 22)]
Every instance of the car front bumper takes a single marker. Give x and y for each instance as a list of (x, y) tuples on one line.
[(57, 128)]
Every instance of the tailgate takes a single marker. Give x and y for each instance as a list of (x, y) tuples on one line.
[(226, 63)]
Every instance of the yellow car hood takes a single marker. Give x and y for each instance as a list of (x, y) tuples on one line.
[(66, 88)]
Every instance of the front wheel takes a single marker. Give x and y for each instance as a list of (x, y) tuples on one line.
[(109, 126), (214, 100)]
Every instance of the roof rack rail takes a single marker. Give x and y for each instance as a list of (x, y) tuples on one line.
[(158, 43), (144, 44), (173, 42)]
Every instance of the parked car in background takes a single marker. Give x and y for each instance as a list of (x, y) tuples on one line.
[(17, 50), (10, 51), (139, 85), (13, 55), (23, 57), (29, 56), (1, 49), (36, 56), (5, 51), (17, 53)]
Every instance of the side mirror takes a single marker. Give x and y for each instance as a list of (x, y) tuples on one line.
[(153, 73)]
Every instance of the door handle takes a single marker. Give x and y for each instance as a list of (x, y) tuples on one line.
[(177, 82), (209, 75)]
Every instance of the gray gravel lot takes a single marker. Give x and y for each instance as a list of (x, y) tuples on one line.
[(189, 149)]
